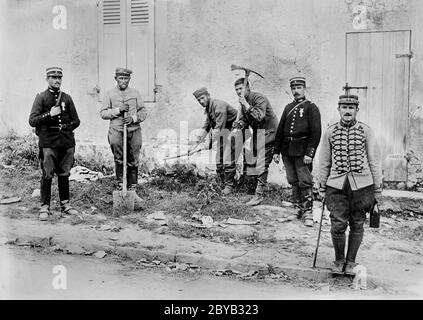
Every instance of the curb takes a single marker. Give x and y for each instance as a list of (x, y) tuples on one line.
[(135, 254)]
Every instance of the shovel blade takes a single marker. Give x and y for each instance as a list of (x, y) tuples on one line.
[(123, 202)]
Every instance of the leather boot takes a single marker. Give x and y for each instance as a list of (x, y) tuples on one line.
[(132, 177), (339, 247), (307, 206), (45, 191), (63, 184), (354, 242), (119, 172), (296, 195)]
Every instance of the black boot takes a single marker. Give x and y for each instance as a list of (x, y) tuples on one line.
[(132, 177), (63, 184), (354, 242), (45, 191), (119, 172), (296, 195), (339, 247), (307, 207)]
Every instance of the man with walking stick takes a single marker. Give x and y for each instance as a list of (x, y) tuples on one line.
[(350, 179)]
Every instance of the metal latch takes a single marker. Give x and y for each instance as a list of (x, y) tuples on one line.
[(403, 55)]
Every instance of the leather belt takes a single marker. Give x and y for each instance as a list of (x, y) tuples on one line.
[(294, 138)]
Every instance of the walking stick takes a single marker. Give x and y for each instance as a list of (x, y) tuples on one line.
[(320, 230)]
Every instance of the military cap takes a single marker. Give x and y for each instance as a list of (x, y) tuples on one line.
[(123, 72), (297, 80), (54, 71), (198, 93), (348, 99)]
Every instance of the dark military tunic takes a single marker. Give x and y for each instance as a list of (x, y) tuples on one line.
[(57, 131), (299, 130)]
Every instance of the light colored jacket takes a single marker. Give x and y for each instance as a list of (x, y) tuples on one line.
[(115, 98), (349, 153)]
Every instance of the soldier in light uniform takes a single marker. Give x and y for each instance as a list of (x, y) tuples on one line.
[(123, 104), (220, 116), (54, 117), (350, 178), (297, 138)]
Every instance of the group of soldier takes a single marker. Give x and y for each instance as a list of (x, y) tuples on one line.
[(349, 173)]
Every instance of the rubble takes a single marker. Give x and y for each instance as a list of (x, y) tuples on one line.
[(10, 200), (82, 174), (36, 193)]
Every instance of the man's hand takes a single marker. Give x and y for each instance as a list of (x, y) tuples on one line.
[(128, 120), (55, 111), (276, 158), (124, 108), (378, 197), (243, 102), (307, 159)]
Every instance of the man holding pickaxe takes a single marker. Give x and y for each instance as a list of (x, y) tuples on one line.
[(220, 116), (256, 112)]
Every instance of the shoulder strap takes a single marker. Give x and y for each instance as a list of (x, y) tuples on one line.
[(296, 107)]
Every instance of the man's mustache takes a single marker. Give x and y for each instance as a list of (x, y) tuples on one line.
[(347, 114)]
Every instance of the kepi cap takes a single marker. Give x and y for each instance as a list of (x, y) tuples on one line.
[(198, 93), (297, 80), (348, 99), (54, 71), (123, 72)]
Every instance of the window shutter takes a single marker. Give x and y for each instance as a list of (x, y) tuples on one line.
[(111, 12), (139, 12)]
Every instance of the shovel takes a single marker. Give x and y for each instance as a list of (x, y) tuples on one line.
[(124, 201)]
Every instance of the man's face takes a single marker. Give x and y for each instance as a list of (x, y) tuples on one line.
[(348, 112), (122, 81), (204, 100), (54, 81), (298, 91), (238, 89)]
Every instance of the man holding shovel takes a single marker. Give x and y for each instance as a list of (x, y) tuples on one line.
[(220, 116), (124, 105), (350, 178)]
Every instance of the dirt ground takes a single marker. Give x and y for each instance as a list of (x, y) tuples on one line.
[(394, 251)]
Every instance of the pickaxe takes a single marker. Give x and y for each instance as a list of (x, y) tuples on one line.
[(247, 74)]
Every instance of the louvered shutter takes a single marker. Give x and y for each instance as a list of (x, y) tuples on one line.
[(112, 41), (140, 28), (126, 39)]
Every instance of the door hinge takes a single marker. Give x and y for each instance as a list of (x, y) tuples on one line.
[(403, 55)]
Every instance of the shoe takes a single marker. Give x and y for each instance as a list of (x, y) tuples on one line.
[(308, 219), (44, 212), (338, 266), (227, 190), (308, 222), (67, 208), (256, 200), (349, 267)]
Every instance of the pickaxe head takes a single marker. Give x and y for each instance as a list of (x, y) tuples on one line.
[(247, 71)]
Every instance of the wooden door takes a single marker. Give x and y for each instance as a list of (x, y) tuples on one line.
[(381, 61), (126, 39)]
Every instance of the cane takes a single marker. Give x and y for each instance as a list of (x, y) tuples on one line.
[(320, 230)]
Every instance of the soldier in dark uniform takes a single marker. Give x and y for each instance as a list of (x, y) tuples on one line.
[(257, 113), (297, 138), (219, 120), (123, 104), (55, 118)]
